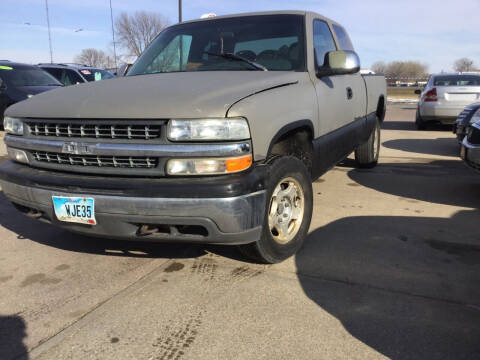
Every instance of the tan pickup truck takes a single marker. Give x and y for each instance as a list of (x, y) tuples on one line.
[(214, 136)]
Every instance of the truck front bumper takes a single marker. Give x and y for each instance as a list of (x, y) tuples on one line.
[(221, 210)]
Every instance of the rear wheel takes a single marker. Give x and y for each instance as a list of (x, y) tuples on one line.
[(419, 124), (366, 155), (287, 214)]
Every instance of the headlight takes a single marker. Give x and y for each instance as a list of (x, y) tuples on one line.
[(475, 117), (208, 129), (209, 166), (13, 126)]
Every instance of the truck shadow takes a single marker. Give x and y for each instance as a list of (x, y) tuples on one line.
[(398, 125), (447, 182), (410, 125), (405, 286), (440, 146), (12, 332)]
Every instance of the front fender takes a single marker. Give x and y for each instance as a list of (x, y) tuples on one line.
[(269, 112)]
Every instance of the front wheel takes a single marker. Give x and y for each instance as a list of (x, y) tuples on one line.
[(366, 155), (288, 212)]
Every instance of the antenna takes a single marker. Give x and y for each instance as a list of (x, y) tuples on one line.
[(113, 37), (49, 33)]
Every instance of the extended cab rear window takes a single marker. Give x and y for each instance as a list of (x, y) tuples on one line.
[(457, 80), (273, 41)]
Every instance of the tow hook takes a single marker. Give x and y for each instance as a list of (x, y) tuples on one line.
[(35, 214), (147, 230)]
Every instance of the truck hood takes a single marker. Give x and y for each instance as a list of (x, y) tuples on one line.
[(154, 96)]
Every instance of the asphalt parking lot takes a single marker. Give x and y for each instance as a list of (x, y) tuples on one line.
[(391, 269)]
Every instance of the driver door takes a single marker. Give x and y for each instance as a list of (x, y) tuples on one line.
[(331, 91)]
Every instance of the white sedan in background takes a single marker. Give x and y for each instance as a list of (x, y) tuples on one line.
[(445, 97)]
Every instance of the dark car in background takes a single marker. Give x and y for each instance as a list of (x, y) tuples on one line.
[(471, 147), (467, 117), (71, 74), (21, 81)]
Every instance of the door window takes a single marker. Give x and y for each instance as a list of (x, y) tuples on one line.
[(56, 73), (322, 41), (72, 78)]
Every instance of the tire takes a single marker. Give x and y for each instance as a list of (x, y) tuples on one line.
[(281, 239), (366, 155), (419, 124)]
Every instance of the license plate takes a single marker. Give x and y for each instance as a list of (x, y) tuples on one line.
[(75, 209)]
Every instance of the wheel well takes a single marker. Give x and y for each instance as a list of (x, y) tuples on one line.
[(296, 142), (381, 108)]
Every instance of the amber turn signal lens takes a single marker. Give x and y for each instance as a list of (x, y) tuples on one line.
[(238, 164), (208, 166)]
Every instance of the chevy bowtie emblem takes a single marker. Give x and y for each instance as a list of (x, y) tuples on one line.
[(77, 148)]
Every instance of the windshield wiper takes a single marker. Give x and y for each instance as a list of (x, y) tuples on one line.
[(231, 56)]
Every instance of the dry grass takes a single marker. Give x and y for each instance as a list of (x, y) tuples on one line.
[(403, 92)]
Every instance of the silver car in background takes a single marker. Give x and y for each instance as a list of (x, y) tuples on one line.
[(445, 97)]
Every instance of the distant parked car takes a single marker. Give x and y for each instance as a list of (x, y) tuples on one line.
[(21, 81), (471, 147), (445, 96), (71, 74), (467, 117)]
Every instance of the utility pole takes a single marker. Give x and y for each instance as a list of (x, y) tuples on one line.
[(113, 37), (179, 10), (49, 33)]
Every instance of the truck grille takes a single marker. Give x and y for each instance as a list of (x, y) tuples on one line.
[(95, 131), (96, 161)]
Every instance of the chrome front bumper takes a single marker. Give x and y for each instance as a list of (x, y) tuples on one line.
[(232, 220)]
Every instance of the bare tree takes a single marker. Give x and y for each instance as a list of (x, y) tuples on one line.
[(403, 70), (92, 57), (135, 32), (463, 65), (379, 67)]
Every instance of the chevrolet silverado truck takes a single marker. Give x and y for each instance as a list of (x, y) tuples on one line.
[(214, 136)]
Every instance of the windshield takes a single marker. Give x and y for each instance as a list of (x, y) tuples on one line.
[(273, 41), (457, 80), (27, 77), (96, 74)]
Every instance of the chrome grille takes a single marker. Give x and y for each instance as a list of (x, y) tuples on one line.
[(96, 161), (95, 131)]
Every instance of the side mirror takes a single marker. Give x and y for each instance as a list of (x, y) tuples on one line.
[(339, 63), (418, 92)]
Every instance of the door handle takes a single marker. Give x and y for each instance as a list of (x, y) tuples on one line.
[(349, 93)]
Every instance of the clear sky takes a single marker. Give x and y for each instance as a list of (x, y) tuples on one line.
[(435, 32)]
